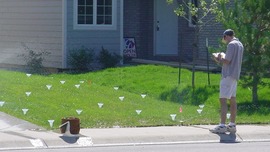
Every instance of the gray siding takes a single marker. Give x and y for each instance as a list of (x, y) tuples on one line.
[(93, 39), (35, 23)]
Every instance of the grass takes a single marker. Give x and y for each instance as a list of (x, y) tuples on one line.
[(160, 83)]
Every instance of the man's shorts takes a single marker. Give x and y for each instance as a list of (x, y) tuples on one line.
[(227, 88)]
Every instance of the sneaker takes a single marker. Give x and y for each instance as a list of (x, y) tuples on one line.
[(231, 128), (219, 130)]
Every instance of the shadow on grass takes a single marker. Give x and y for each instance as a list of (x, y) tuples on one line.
[(262, 108), (201, 94), (186, 95)]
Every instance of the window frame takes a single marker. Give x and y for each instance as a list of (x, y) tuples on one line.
[(190, 17), (94, 26)]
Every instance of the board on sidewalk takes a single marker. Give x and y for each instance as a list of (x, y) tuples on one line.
[(228, 137)]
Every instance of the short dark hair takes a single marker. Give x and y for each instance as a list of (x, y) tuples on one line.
[(228, 32)]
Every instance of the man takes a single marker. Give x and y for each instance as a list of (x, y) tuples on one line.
[(231, 68)]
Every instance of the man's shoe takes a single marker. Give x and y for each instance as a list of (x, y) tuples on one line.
[(219, 130), (231, 128)]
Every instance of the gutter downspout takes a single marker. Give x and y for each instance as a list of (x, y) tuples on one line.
[(64, 34)]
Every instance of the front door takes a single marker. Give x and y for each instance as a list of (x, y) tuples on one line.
[(165, 28)]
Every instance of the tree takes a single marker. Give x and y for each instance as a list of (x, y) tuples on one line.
[(196, 12), (250, 20)]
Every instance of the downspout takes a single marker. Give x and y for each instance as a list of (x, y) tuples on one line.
[(64, 34)]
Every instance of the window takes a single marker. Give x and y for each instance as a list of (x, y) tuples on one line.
[(94, 14), (193, 19), (104, 12), (85, 12)]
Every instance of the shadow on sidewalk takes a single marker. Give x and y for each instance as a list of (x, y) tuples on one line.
[(77, 139), (70, 140)]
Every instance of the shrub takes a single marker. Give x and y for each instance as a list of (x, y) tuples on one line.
[(34, 60), (81, 59), (108, 59)]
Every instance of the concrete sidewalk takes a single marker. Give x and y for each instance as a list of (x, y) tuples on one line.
[(19, 134)]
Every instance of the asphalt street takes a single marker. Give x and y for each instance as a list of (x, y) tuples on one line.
[(195, 147)]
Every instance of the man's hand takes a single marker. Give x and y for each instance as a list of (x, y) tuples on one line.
[(219, 57), (216, 57)]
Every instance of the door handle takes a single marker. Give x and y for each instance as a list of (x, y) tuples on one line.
[(157, 26)]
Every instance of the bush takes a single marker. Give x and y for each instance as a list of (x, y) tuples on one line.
[(81, 59), (34, 60), (108, 59)]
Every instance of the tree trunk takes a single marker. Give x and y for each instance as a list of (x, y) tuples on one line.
[(194, 51), (255, 94), (255, 83), (193, 69)]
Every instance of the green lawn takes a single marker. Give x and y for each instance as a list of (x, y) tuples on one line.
[(160, 84)]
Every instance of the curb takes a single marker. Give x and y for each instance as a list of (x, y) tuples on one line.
[(49, 146)]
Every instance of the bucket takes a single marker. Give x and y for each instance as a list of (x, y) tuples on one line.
[(74, 125)]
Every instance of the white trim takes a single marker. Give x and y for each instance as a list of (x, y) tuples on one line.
[(77, 26), (64, 33), (121, 29)]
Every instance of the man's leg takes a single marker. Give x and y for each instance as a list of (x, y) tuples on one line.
[(221, 128), (224, 110), (223, 94), (233, 109)]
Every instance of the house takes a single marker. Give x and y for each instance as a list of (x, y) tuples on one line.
[(58, 26)]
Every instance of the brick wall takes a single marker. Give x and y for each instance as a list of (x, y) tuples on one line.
[(186, 39), (138, 23), (213, 31)]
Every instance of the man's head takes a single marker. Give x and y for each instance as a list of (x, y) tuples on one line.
[(228, 35)]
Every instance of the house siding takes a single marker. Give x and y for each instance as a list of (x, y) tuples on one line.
[(34, 23), (92, 39)]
